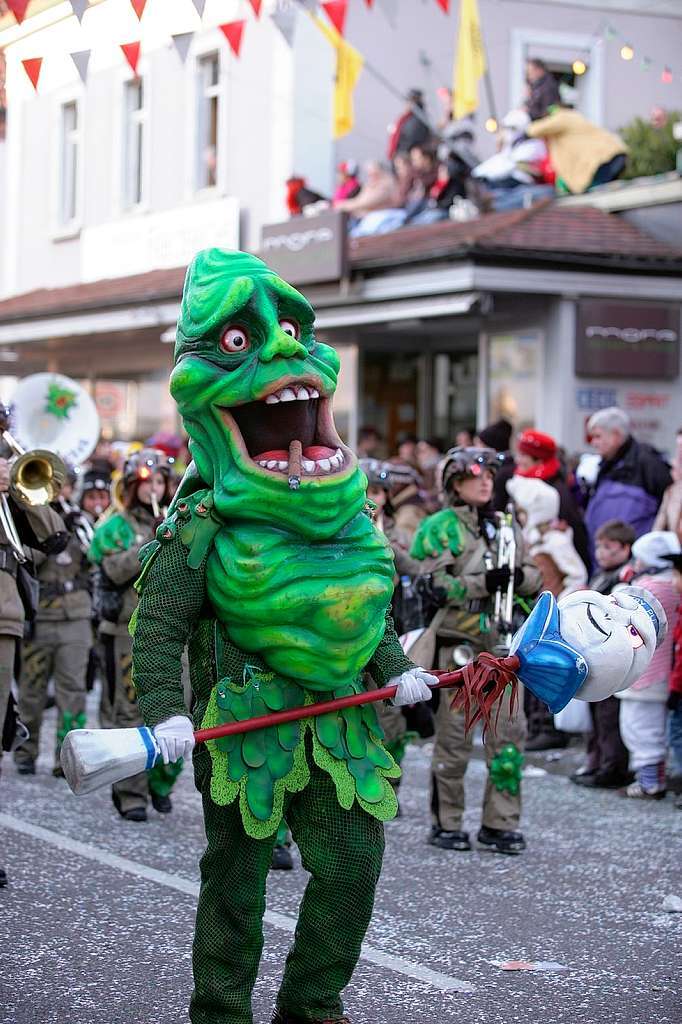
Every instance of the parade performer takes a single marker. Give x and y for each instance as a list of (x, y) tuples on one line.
[(115, 553), (271, 570), (60, 639), (458, 545)]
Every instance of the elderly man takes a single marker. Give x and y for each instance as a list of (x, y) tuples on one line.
[(632, 475)]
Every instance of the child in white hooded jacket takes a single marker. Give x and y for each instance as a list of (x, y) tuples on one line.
[(550, 543)]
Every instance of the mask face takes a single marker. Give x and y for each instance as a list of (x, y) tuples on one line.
[(615, 634)]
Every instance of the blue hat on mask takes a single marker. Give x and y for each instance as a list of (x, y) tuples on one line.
[(550, 668)]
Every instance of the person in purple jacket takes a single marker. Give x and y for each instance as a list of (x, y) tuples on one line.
[(632, 475)]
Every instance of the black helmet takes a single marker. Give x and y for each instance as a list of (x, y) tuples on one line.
[(140, 465), (459, 463), (378, 473)]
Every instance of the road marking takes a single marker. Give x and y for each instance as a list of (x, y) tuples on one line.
[(443, 982)]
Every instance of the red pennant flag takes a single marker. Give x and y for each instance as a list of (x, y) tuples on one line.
[(233, 32), (32, 66), (256, 4), (138, 6), (131, 52), (336, 11), (18, 9), (369, 3), (444, 5)]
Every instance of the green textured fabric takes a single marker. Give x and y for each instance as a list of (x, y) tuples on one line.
[(438, 533), (506, 769), (342, 850), (114, 534)]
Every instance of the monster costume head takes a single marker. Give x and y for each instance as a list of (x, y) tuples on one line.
[(250, 379), (588, 645)]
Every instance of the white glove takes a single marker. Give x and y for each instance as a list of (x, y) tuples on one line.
[(413, 686), (175, 738)]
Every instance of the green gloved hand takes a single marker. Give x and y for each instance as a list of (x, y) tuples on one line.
[(506, 769), (438, 533)]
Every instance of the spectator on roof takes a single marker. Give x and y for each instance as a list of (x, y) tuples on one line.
[(583, 154), (347, 181), (543, 89), (412, 127)]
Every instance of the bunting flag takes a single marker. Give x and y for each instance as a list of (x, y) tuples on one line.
[(444, 5), (79, 8), (182, 42), (18, 9), (284, 19), (199, 4), (336, 11), (256, 4), (469, 61), (131, 52), (32, 66), (138, 6), (81, 59), (233, 32), (369, 3), (348, 67)]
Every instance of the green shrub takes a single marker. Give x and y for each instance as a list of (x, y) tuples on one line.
[(651, 150)]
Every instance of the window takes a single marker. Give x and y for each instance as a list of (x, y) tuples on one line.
[(208, 97), (133, 144), (69, 159)]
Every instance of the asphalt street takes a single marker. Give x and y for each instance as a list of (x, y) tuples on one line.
[(96, 923)]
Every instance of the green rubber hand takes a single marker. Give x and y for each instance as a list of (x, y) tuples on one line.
[(506, 769), (438, 533)]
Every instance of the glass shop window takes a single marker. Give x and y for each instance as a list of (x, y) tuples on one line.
[(134, 132), (69, 164), (208, 120)]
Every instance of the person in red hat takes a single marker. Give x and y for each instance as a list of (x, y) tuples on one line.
[(537, 457)]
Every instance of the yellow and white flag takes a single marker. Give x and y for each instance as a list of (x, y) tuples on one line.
[(469, 61), (348, 67)]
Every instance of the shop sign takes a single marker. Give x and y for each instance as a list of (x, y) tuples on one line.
[(305, 250), (593, 399), (623, 339)]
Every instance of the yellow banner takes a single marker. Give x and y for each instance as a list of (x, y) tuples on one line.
[(469, 62), (348, 67)]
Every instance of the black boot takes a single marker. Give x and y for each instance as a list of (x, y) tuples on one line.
[(281, 859), (449, 840), (548, 741), (603, 780), (161, 804), (3, 878), (133, 813), (501, 840), (26, 766)]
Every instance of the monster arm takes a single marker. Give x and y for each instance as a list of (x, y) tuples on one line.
[(389, 660), (171, 600)]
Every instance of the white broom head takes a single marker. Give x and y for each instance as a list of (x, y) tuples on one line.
[(99, 757)]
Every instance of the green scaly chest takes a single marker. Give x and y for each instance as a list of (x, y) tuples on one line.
[(314, 612)]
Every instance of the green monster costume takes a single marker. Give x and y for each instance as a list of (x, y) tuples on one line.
[(270, 570)]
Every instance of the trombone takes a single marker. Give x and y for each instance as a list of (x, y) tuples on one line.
[(36, 478)]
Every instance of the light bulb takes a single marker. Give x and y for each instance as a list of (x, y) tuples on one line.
[(579, 67), (491, 125), (626, 51)]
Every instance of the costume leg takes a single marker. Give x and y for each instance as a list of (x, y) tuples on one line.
[(37, 662), (7, 648), (501, 807), (228, 939), (451, 752), (72, 648), (343, 851), (132, 792)]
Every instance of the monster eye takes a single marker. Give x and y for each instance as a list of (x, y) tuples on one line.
[(291, 328), (234, 339), (636, 638)]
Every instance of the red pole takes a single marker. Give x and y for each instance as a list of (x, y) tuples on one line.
[(446, 679)]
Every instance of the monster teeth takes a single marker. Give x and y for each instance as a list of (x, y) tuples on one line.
[(271, 399), (336, 461), (308, 465), (314, 393), (325, 464), (292, 393), (287, 395), (263, 464), (271, 464), (282, 465), (302, 395)]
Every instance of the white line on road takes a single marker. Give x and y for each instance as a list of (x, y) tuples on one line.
[(443, 982)]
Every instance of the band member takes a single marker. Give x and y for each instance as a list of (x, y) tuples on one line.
[(115, 552), (59, 643), (38, 529), (459, 546)]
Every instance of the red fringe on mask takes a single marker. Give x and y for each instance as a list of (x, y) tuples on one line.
[(481, 685)]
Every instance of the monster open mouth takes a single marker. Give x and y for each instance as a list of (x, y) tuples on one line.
[(290, 432)]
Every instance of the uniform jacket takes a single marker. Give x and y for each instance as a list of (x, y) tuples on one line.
[(123, 568), (64, 584), (36, 526)]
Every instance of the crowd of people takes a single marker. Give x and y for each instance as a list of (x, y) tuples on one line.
[(610, 519), (432, 172)]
